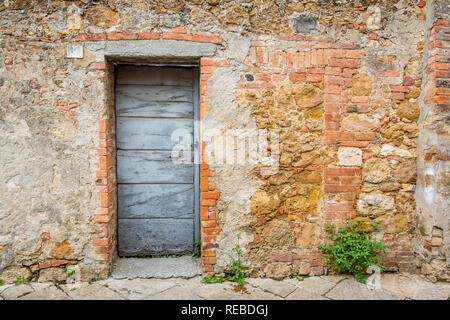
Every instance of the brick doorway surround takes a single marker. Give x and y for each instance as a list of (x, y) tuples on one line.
[(198, 50)]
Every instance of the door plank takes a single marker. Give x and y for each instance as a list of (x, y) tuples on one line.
[(136, 166), (149, 133), (155, 236), (139, 93), (137, 201), (157, 76), (164, 109)]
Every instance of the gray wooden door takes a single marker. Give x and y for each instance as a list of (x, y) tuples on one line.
[(157, 198)]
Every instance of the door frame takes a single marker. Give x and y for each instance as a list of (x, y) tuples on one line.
[(197, 144), (196, 137)]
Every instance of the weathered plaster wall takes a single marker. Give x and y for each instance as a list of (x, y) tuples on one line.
[(433, 224), (341, 81), (49, 114)]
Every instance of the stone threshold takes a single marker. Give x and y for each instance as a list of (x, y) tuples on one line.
[(158, 268)]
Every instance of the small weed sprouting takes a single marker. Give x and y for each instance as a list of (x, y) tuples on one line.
[(197, 249), (297, 276), (237, 273), (69, 271), (214, 279), (238, 267), (352, 249), (92, 280), (21, 281)]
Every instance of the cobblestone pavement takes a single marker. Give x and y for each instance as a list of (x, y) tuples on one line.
[(392, 286)]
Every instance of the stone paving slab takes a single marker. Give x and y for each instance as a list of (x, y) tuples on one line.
[(351, 290), (138, 289), (48, 293), (40, 286), (174, 293), (305, 294), (4, 287), (93, 291), (414, 287), (400, 285), (391, 287), (227, 291), (14, 292), (428, 291), (279, 288), (335, 278), (160, 268), (317, 285)]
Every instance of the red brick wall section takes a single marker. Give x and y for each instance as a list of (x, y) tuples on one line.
[(341, 184), (329, 66), (176, 34), (208, 194), (104, 245), (438, 71)]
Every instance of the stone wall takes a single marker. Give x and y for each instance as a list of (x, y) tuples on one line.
[(345, 84)]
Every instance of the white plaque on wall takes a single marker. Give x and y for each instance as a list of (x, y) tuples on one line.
[(74, 51)]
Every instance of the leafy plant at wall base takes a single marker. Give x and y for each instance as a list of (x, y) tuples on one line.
[(238, 267), (214, 279), (352, 249), (91, 280), (21, 281), (297, 276), (69, 271), (237, 273), (197, 249)]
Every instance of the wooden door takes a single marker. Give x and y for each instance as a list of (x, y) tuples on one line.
[(157, 198)]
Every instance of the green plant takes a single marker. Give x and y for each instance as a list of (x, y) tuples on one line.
[(69, 271), (214, 279), (237, 273), (92, 280), (352, 249), (238, 267), (297, 276), (197, 249), (1, 282), (21, 281)]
